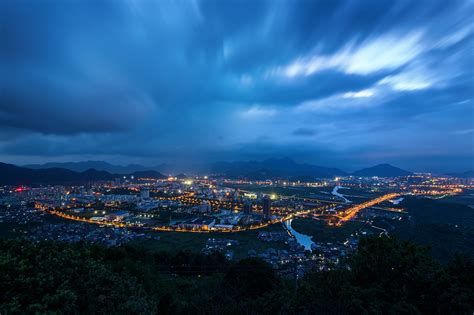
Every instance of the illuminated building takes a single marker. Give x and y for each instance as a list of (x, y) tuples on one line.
[(117, 216)]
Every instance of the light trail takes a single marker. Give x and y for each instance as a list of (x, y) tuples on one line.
[(353, 211), (203, 229)]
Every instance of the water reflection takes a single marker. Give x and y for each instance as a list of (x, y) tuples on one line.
[(302, 239)]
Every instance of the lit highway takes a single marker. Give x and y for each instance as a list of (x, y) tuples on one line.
[(353, 211)]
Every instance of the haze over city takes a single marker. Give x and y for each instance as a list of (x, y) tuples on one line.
[(347, 84)]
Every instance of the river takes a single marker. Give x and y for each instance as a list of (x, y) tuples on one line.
[(396, 201), (302, 239), (335, 193)]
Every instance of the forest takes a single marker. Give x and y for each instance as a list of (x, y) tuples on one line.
[(385, 275)]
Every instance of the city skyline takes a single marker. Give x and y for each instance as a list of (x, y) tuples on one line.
[(342, 84)]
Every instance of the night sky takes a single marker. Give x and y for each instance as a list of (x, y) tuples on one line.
[(333, 83)]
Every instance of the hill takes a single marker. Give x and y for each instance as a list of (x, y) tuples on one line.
[(383, 276), (97, 165), (382, 170), (274, 168), (15, 175)]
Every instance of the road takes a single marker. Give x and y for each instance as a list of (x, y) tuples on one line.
[(351, 212)]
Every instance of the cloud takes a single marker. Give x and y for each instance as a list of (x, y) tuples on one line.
[(454, 38), (363, 93), (407, 82), (133, 79), (65, 107), (304, 132), (344, 103), (386, 52), (257, 112)]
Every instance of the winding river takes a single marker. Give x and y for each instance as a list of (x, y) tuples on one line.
[(335, 193), (302, 239)]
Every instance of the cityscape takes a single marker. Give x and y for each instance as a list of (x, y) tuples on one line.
[(130, 209), (237, 157)]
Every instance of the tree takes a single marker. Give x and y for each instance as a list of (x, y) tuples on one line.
[(250, 277)]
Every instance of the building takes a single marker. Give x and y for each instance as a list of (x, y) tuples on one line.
[(205, 207), (247, 208), (145, 193), (198, 224), (118, 216), (266, 207)]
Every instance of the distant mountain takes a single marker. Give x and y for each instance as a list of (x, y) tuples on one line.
[(98, 165), (15, 175), (148, 174), (274, 168), (467, 174), (382, 170)]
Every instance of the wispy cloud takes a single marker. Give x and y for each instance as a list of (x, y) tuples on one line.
[(407, 81), (454, 37), (386, 52), (359, 94), (341, 103), (257, 112)]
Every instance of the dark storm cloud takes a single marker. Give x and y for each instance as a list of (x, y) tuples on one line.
[(317, 80)]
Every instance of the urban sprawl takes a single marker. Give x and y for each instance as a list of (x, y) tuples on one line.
[(142, 209)]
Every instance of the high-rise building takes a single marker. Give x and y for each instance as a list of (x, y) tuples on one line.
[(247, 208), (117, 182), (266, 207), (145, 193)]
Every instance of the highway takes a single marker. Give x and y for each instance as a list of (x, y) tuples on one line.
[(353, 211)]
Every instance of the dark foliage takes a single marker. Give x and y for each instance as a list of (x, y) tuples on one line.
[(250, 277), (384, 276), (446, 227)]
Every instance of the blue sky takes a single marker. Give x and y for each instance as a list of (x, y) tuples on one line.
[(334, 83)]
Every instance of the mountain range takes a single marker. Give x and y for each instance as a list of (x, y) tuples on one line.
[(100, 166), (15, 175), (287, 168), (282, 168), (274, 168)]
